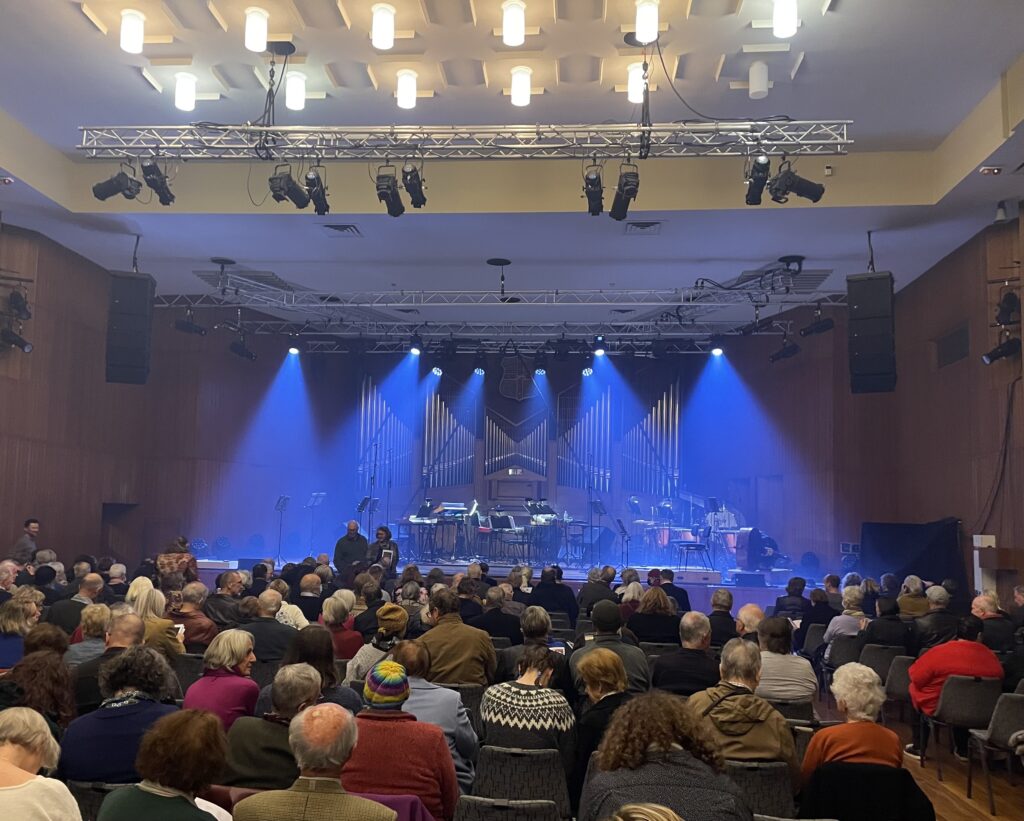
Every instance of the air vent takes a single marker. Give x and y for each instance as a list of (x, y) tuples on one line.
[(344, 230), (643, 229), (266, 278), (952, 346), (806, 282)]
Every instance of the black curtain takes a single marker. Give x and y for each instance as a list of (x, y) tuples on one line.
[(931, 551)]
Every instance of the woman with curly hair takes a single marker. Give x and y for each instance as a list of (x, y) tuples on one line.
[(46, 686), (655, 749), (656, 618)]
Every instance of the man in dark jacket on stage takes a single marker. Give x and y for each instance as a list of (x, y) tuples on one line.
[(350, 551), (554, 596)]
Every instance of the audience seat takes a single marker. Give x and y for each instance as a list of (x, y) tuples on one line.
[(803, 731), (814, 639), (966, 702), (767, 786), (188, 667), (560, 621), (1007, 719), (657, 648), (531, 775), (501, 642), (341, 665), (471, 695), (881, 793), (800, 710), (473, 808), (226, 797), (879, 658), (897, 682), (845, 649), (584, 625), (263, 672), (90, 795), (565, 634)]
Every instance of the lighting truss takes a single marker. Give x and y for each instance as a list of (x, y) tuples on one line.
[(212, 141)]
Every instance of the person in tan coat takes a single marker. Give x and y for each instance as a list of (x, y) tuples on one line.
[(746, 727), (459, 654)]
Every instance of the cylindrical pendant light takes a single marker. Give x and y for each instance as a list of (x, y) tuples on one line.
[(382, 31), (295, 91), (785, 18), (185, 91), (133, 31), (635, 83), (758, 80), (521, 85), (646, 21), (256, 22), (513, 22), (406, 88)]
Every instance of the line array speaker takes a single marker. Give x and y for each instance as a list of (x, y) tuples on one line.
[(872, 332), (130, 328)]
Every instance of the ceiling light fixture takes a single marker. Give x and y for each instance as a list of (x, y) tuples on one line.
[(521, 88), (588, 367), (238, 348), (283, 186), (188, 325), (437, 370), (295, 91), (646, 21), (593, 187), (382, 29), (133, 31), (787, 181), (15, 340), (121, 183), (17, 304), (717, 345), (785, 18), (626, 191), (416, 345), (480, 362), (513, 22), (412, 181), (256, 24), (387, 190), (599, 346), (540, 363), (406, 89), (759, 170), (185, 91), (316, 188), (787, 351), (1007, 311), (157, 180), (635, 82), (1005, 349), (296, 345), (757, 80)]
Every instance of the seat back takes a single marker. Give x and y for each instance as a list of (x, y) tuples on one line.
[(188, 667), (501, 642), (1020, 688), (814, 638), (90, 795), (1007, 719), (766, 785), (559, 620), (471, 695), (801, 710), (584, 625), (473, 808), (845, 649), (657, 648), (531, 775), (968, 701), (565, 634), (882, 793), (897, 680), (263, 672), (406, 807), (879, 658)]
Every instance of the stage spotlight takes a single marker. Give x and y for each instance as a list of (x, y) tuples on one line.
[(717, 345), (1006, 348), (283, 187), (387, 190), (416, 345), (17, 304), (821, 325), (593, 187), (757, 179), (540, 363), (317, 191), (188, 326), (588, 369), (296, 345), (599, 348), (480, 363), (788, 350), (413, 184), (437, 370), (1007, 313), (157, 180), (120, 183), (628, 188), (9, 337), (717, 351), (787, 182), (238, 348)]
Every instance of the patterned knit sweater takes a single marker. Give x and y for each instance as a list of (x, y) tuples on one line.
[(530, 718)]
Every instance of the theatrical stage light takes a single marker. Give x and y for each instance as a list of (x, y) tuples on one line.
[(563, 347), (238, 348), (521, 86), (387, 190), (416, 345), (513, 22), (540, 363), (757, 179), (599, 348), (256, 24), (157, 180), (9, 337), (283, 186), (437, 370), (717, 345), (188, 325), (295, 91), (121, 183), (317, 191), (788, 350), (296, 345), (716, 351), (17, 304), (646, 21), (785, 18), (635, 83), (405, 91), (594, 189), (382, 29), (1008, 311), (133, 31), (626, 191), (413, 184), (820, 325), (787, 181), (1007, 348), (480, 363), (588, 368), (185, 91)]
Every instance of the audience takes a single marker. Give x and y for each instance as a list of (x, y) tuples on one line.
[(748, 618), (46, 637), (848, 623), (784, 677), (459, 654), (872, 592), (199, 629), (270, 638), (45, 685), (554, 596), (938, 625), (889, 629), (309, 601), (494, 621), (889, 587), (225, 688), (289, 614), (161, 634), (723, 625), (677, 594), (820, 612), (95, 619), (27, 747), (597, 588), (469, 604), (997, 631), (391, 621), (384, 729), (67, 613), (536, 627), (366, 622), (101, 746), (222, 607), (656, 749), (655, 620), (16, 619), (911, 599), (793, 605), (629, 598), (607, 624), (832, 591), (347, 642), (123, 632), (689, 669)]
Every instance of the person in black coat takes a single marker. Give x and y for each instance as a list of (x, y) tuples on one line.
[(598, 588), (680, 596), (938, 625), (820, 612), (554, 596), (691, 668), (469, 606), (998, 631), (888, 629), (366, 622), (496, 623), (723, 625), (270, 638), (793, 605), (655, 619)]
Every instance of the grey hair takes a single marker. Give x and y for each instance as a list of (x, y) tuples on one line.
[(294, 684), (347, 597), (411, 591), (721, 599), (913, 585), (633, 591), (194, 593), (325, 751), (628, 575), (936, 594), (741, 660), (27, 729), (228, 649), (118, 571), (859, 688), (474, 571), (45, 556), (594, 575), (853, 598), (494, 597), (750, 616), (694, 627), (536, 622), (335, 611), (270, 602)]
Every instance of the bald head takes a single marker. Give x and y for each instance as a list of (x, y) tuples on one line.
[(983, 606), (695, 630), (269, 603), (748, 618), (125, 631), (91, 585), (322, 738)]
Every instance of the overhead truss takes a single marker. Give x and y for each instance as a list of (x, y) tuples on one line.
[(213, 141)]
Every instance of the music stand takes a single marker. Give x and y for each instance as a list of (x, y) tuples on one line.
[(598, 509), (315, 500), (280, 507), (624, 535)]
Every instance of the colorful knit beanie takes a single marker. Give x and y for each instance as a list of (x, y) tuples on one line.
[(387, 686)]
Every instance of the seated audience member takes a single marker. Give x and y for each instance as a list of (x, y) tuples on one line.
[(607, 624), (656, 749), (746, 726), (966, 655), (459, 654), (912, 600), (321, 739), (384, 729), (848, 623), (312, 645), (101, 746), (511, 606), (379, 575), (605, 680), (938, 625), (469, 605), (309, 601), (391, 620), (833, 591), (347, 642), (248, 610), (527, 713), (793, 605), (95, 618), (258, 753), (723, 625), (554, 596), (441, 707), (222, 606), (67, 613), (598, 588), (524, 586), (889, 629), (8, 575), (748, 619), (366, 622), (171, 586), (16, 619), (872, 592), (655, 619), (161, 634), (820, 612), (536, 627), (136, 588), (485, 577), (1017, 611), (199, 629), (182, 755), (629, 599), (654, 577), (45, 683), (123, 632), (494, 621), (43, 581), (259, 580), (784, 677), (289, 613), (859, 696), (46, 637), (689, 669), (888, 586), (270, 637), (225, 688), (851, 579), (475, 573), (997, 631), (26, 747), (677, 594), (626, 578)]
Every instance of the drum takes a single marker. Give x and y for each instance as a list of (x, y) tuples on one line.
[(683, 534), (749, 548), (731, 539), (659, 536)]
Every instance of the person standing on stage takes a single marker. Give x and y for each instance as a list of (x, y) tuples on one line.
[(350, 551), (384, 552)]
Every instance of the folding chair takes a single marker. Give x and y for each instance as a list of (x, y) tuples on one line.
[(814, 639), (528, 774), (474, 808), (879, 658), (90, 796), (188, 668), (766, 785), (897, 682), (1007, 719), (966, 702), (657, 648)]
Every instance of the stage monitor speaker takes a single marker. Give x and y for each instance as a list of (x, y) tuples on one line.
[(872, 332), (130, 328), (698, 577), (749, 579)]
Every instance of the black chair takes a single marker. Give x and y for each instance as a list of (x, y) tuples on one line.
[(89, 796), (501, 642), (471, 695), (843, 650), (800, 710), (1007, 719), (566, 634), (882, 794), (966, 702), (767, 786), (560, 620), (188, 668), (814, 639), (879, 658), (897, 682), (474, 808), (584, 625), (532, 775), (657, 648), (263, 672)]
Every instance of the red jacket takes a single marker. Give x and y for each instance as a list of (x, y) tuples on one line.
[(954, 658), (347, 642), (398, 755)]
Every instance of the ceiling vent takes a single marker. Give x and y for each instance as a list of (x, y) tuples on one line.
[(807, 281), (343, 230), (266, 278), (643, 229)]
